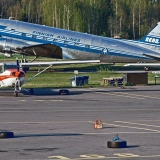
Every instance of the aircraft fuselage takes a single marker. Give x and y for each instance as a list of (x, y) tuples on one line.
[(77, 45)]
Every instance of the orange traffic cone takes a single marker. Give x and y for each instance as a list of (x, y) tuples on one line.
[(98, 124)]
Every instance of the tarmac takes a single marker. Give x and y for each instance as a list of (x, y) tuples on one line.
[(47, 125)]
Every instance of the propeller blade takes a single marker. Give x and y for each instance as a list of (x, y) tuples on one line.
[(18, 66)]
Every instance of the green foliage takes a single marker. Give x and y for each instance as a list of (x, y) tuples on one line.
[(128, 18), (61, 79), (106, 69)]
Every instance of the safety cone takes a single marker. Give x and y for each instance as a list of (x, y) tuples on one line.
[(98, 124)]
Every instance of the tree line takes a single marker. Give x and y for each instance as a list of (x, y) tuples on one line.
[(129, 19)]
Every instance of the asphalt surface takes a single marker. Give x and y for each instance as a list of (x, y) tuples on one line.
[(47, 125)]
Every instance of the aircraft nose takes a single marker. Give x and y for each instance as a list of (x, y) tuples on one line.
[(17, 74)]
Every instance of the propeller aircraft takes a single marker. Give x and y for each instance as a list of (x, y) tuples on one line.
[(15, 77)]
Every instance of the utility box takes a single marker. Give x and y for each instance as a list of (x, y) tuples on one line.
[(85, 80), (79, 80), (135, 77)]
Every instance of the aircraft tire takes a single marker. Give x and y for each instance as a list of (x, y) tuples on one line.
[(64, 92), (31, 91), (16, 93), (117, 144), (5, 134), (146, 68)]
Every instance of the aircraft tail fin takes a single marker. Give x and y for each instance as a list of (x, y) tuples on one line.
[(153, 36)]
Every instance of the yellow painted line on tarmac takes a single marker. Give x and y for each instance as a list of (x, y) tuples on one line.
[(126, 155), (95, 156), (130, 155), (41, 100), (115, 133), (138, 95), (146, 129), (111, 94), (151, 156), (58, 157), (148, 125)]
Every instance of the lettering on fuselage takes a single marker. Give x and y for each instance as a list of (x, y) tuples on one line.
[(68, 38), (42, 34), (152, 40)]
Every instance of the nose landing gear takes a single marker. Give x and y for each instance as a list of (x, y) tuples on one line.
[(17, 87)]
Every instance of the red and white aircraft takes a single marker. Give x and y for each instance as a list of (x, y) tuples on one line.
[(15, 77)]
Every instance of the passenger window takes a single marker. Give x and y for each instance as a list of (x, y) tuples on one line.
[(76, 44), (45, 38), (87, 46), (24, 34), (65, 42), (34, 36)]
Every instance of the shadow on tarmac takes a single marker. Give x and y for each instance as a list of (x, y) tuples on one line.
[(133, 146), (47, 135), (56, 91), (50, 91), (38, 92)]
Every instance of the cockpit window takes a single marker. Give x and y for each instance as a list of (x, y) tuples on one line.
[(13, 73), (21, 74)]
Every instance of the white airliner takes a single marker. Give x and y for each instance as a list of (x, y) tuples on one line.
[(39, 40)]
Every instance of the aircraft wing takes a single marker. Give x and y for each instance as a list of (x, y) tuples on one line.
[(154, 56), (43, 50), (143, 64), (35, 64)]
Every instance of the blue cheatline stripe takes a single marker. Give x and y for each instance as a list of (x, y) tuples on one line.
[(70, 45), (38, 39), (3, 27)]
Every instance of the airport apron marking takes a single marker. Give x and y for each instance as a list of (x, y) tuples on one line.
[(111, 94)]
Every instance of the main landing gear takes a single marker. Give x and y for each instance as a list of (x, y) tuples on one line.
[(17, 87), (16, 93)]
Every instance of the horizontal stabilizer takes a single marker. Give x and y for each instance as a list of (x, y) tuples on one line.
[(154, 56), (42, 50), (143, 64)]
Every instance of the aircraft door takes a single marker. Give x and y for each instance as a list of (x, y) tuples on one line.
[(105, 47), (97, 45), (99, 42), (8, 45), (2, 44)]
